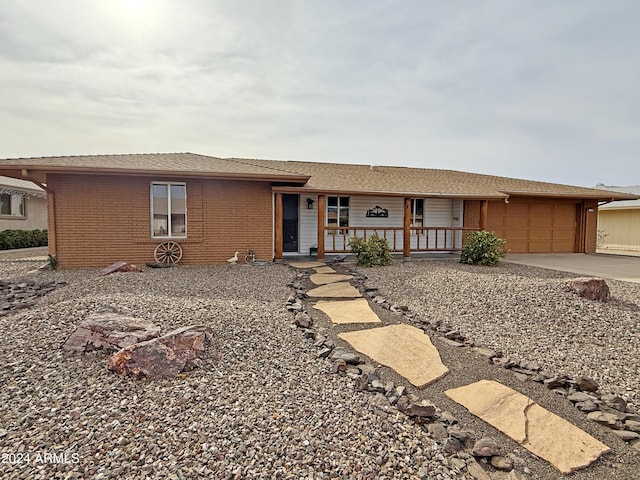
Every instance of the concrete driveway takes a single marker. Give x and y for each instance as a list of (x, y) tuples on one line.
[(597, 265)]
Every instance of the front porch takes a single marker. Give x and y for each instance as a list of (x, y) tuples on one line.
[(322, 225)]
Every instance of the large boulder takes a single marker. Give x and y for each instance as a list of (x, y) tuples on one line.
[(590, 288), (162, 357), (110, 330)]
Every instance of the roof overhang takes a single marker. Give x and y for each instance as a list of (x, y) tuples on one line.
[(604, 196), (319, 191), (39, 173)]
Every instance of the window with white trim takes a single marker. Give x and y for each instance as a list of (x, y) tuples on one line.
[(417, 214), (12, 205), (338, 212), (168, 210)]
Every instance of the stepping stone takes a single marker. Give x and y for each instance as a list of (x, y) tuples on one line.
[(324, 269), (335, 290), (324, 278), (348, 311), (538, 430), (405, 349), (307, 264)]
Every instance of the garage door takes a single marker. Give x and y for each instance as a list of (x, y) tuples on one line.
[(534, 226)]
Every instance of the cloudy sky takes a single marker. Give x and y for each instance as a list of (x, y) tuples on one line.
[(544, 90)]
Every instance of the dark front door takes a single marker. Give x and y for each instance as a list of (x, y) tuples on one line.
[(290, 222)]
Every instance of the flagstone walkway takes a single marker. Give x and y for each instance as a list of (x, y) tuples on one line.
[(409, 352)]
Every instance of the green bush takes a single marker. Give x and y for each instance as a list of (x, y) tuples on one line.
[(10, 239), (483, 248), (373, 251)]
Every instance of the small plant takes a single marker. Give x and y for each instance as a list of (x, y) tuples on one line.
[(370, 252), (483, 248), (53, 262)]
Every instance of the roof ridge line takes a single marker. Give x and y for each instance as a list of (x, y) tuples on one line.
[(247, 161)]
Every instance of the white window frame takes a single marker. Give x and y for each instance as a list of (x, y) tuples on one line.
[(169, 235), (414, 205), (346, 227), (23, 203)]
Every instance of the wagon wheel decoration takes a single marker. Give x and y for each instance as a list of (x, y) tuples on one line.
[(168, 252)]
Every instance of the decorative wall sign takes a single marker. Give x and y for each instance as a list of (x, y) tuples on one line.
[(378, 212)]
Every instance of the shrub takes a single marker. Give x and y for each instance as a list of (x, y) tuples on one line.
[(483, 248), (10, 239), (373, 251)]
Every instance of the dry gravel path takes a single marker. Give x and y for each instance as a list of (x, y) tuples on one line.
[(263, 405)]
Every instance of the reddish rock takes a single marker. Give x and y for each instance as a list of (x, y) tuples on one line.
[(120, 267), (590, 288), (110, 330), (162, 357)]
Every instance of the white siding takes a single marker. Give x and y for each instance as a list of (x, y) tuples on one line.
[(308, 224), (438, 213)]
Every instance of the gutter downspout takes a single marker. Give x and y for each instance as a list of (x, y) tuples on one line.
[(51, 199)]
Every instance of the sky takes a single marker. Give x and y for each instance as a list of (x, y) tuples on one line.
[(543, 90)]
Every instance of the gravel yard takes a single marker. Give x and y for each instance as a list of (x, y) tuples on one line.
[(263, 405), (525, 313)]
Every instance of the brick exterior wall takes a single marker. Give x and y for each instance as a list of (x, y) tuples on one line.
[(103, 219), (591, 233), (471, 214)]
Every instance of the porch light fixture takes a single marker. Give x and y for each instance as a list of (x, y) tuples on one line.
[(310, 203)]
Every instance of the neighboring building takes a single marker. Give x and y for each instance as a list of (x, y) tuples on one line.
[(619, 223), (23, 205), (120, 207)]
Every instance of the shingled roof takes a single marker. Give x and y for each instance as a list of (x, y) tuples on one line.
[(184, 164), (310, 176)]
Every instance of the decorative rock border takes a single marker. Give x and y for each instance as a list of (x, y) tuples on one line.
[(581, 391), (23, 293), (387, 397)]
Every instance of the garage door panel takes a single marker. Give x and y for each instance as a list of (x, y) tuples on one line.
[(517, 246), (534, 225), (542, 209), (541, 234), (539, 247), (563, 246), (517, 221)]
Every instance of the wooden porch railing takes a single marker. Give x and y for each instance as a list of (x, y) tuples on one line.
[(423, 239)]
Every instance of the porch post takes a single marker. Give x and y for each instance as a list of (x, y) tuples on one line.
[(484, 213), (278, 227), (321, 209), (406, 238)]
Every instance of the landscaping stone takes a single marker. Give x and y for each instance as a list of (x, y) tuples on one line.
[(626, 435), (305, 265), (603, 418), (502, 463), (348, 311), (326, 278), (110, 330), (335, 290), (485, 447), (590, 288), (121, 266), (587, 384), (405, 349), (325, 269), (162, 357), (541, 432)]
